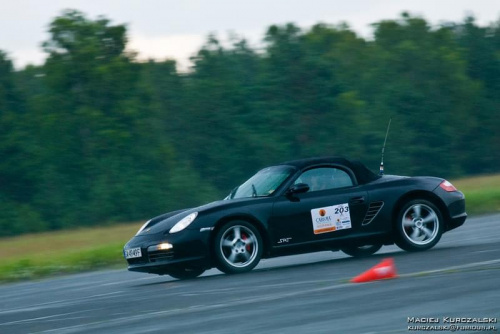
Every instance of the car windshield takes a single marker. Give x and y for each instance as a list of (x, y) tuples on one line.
[(264, 183)]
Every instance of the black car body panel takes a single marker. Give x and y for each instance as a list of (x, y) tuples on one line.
[(284, 219)]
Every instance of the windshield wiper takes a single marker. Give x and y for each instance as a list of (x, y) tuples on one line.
[(254, 191)]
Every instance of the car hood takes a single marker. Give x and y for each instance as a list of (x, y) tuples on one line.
[(165, 222)]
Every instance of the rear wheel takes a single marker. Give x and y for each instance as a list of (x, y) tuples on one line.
[(185, 273), (419, 226), (238, 247), (361, 251)]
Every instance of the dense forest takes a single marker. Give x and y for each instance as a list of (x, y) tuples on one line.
[(95, 136)]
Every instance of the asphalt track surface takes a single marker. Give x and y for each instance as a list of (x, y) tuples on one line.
[(309, 293)]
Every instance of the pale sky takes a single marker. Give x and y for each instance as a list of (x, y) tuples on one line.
[(176, 29)]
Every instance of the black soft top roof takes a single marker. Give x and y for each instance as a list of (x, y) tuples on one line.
[(362, 173)]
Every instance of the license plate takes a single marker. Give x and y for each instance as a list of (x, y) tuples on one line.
[(132, 253)]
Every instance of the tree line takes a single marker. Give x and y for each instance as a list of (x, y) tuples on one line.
[(94, 136)]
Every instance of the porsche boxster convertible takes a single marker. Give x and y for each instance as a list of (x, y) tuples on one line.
[(299, 206)]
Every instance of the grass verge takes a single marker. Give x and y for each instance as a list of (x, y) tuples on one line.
[(54, 253), (62, 252), (482, 193), (71, 262)]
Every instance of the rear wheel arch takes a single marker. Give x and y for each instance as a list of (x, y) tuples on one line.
[(419, 194)]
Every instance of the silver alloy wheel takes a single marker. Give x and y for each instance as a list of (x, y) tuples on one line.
[(239, 246), (420, 224)]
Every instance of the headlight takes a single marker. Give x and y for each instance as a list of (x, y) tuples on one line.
[(183, 223), (160, 247), (143, 227)]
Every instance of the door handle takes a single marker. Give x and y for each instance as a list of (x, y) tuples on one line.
[(357, 200)]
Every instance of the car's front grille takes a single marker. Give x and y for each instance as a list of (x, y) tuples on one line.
[(373, 210), (152, 257), (161, 255), (138, 260)]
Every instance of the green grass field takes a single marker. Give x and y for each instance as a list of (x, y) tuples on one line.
[(482, 193), (55, 253)]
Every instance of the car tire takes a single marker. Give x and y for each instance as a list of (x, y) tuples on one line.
[(238, 247), (183, 273), (361, 251), (419, 226)]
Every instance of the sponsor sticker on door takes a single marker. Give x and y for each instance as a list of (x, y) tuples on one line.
[(331, 218)]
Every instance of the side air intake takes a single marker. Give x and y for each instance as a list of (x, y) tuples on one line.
[(373, 210)]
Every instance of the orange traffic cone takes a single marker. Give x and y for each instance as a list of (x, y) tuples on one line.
[(383, 270)]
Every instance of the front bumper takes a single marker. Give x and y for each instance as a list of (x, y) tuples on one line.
[(455, 204), (190, 250)]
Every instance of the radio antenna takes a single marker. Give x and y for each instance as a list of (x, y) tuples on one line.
[(383, 148)]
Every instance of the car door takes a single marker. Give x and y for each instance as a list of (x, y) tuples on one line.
[(334, 207)]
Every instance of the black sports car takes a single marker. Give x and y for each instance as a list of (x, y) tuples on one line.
[(296, 207)]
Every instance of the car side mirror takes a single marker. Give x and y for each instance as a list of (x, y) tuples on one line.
[(298, 188)]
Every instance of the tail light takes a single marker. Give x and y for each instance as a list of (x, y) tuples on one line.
[(447, 186)]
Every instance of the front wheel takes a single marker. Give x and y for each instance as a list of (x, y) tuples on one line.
[(238, 247), (361, 251), (419, 226)]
